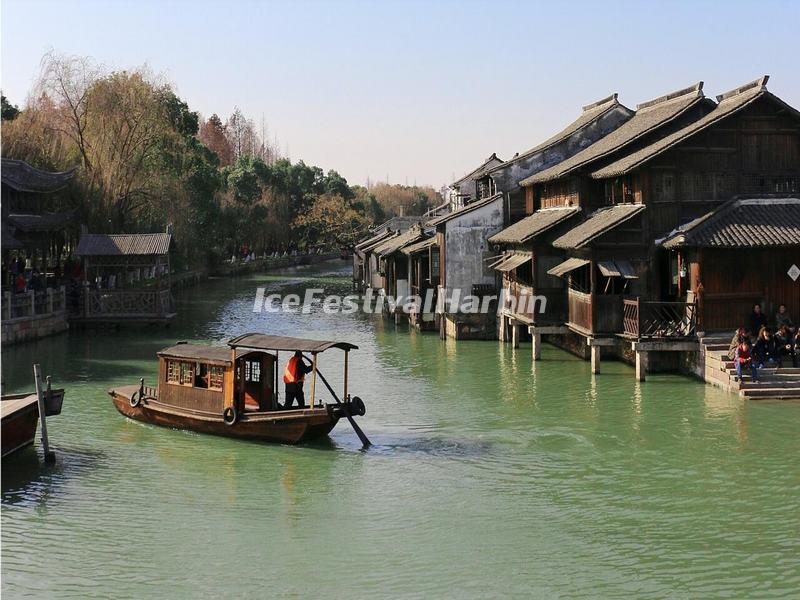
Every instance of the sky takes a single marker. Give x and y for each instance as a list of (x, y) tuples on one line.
[(411, 92)]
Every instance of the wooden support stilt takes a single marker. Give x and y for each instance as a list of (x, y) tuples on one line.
[(49, 456), (502, 330), (536, 345), (641, 365), (515, 335), (595, 357)]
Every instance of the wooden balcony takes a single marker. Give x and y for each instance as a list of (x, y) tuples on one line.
[(594, 314), (518, 301), (650, 319)]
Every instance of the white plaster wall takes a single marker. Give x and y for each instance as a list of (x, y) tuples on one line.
[(466, 246)]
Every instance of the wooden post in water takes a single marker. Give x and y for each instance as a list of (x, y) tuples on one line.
[(595, 358), (536, 345), (641, 365), (344, 395), (313, 379), (49, 456)]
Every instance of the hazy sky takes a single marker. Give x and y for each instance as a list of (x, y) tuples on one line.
[(416, 91)]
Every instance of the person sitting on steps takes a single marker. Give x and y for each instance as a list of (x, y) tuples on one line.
[(735, 341), (756, 321), (784, 343), (744, 359), (782, 319), (765, 352)]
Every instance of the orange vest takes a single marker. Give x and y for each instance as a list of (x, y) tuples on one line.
[(292, 373)]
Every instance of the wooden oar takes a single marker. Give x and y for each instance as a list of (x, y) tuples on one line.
[(361, 435)]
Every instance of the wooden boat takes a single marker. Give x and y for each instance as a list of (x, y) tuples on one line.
[(20, 416), (233, 391)]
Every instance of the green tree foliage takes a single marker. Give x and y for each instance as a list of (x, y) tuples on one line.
[(9, 111), (145, 160)]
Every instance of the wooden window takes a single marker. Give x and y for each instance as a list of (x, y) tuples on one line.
[(187, 373), (173, 371), (664, 187), (252, 371), (180, 373), (201, 376), (435, 266), (216, 378)]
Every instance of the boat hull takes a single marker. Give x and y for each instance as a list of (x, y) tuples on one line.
[(19, 429), (289, 427)]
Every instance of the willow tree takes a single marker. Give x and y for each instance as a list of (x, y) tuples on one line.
[(331, 221)]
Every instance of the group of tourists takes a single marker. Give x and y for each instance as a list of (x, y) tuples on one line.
[(759, 346), (22, 274)]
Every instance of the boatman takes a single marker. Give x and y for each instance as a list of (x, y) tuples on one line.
[(293, 377)]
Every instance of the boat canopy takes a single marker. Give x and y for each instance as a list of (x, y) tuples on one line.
[(260, 341), (209, 354)]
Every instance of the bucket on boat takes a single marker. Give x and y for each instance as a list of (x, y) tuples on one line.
[(53, 399)]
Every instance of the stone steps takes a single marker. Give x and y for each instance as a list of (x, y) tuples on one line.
[(717, 346), (748, 384), (774, 384), (766, 393)]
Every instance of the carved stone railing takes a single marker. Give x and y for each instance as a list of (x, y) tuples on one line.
[(643, 318), (126, 303), (33, 303)]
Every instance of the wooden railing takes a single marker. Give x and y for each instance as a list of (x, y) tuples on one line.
[(127, 303), (643, 318), (595, 313), (580, 309), (518, 300), (33, 303)]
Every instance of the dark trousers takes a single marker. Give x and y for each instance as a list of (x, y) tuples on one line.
[(753, 371), (294, 391), (791, 353)]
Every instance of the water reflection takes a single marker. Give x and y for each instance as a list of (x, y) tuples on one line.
[(491, 475)]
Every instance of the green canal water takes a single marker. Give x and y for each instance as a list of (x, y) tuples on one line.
[(491, 476)]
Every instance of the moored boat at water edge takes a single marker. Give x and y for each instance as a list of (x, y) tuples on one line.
[(233, 391), (20, 416)]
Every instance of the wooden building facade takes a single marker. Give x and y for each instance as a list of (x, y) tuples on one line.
[(679, 158), (127, 278)]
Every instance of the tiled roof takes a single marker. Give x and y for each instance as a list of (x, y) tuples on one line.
[(420, 246), (590, 114), (481, 170), (649, 117), (751, 223), (133, 244), (399, 223), (43, 222), (382, 235), (532, 225), (22, 177), (598, 223), (9, 242), (464, 210), (729, 104), (396, 243)]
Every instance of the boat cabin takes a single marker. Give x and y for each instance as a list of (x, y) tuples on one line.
[(243, 376)]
